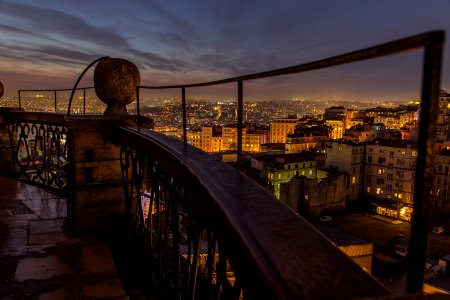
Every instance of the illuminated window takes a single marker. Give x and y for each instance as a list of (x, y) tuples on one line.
[(414, 153), (380, 171), (379, 191), (353, 179), (279, 176), (368, 189)]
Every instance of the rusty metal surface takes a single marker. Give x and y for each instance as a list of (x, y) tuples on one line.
[(273, 249)]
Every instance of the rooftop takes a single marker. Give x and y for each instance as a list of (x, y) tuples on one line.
[(392, 143)]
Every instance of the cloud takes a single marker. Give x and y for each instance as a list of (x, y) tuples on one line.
[(197, 40), (157, 62), (51, 21), (13, 29)]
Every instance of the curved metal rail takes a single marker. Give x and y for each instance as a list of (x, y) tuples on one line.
[(273, 252)]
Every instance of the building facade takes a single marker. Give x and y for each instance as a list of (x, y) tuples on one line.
[(347, 157), (280, 128), (390, 171)]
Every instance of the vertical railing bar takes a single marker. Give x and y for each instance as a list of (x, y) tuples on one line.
[(189, 256), (158, 233), (176, 244), (183, 103), (84, 101), (425, 163), (221, 271), (194, 266), (240, 120), (210, 261), (166, 195), (19, 99), (56, 105), (138, 107)]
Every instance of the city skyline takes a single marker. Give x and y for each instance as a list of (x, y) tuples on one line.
[(47, 46)]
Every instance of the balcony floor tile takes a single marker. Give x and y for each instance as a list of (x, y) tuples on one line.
[(41, 259)]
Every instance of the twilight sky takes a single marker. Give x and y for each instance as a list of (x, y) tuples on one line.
[(47, 44)]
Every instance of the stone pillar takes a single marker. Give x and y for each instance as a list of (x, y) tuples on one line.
[(97, 195)]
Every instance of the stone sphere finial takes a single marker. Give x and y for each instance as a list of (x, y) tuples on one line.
[(115, 82), (2, 89)]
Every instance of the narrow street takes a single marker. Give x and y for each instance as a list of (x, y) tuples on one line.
[(378, 230)]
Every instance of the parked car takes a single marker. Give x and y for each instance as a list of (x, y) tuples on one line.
[(396, 240), (325, 219), (401, 249)]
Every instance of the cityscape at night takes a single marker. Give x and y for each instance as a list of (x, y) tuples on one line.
[(224, 150)]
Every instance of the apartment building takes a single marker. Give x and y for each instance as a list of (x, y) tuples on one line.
[(337, 128), (283, 167), (390, 171), (347, 157), (280, 128)]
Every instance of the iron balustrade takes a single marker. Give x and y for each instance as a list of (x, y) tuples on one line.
[(432, 43), (38, 148), (210, 232)]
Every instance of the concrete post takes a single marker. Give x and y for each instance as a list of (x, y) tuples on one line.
[(96, 196)]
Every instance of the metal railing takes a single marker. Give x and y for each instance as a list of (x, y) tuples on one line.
[(432, 43), (38, 148), (209, 232), (55, 96)]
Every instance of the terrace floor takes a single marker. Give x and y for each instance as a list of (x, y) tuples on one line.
[(40, 258)]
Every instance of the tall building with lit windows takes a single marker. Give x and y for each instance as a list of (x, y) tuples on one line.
[(195, 138), (441, 186), (251, 142), (347, 157), (213, 140), (230, 138), (206, 136), (389, 176), (443, 117), (337, 128), (281, 127)]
